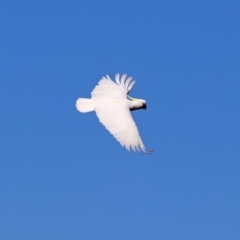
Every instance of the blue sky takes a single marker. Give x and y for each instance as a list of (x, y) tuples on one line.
[(63, 176)]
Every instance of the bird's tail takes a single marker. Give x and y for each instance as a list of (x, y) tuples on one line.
[(84, 105)]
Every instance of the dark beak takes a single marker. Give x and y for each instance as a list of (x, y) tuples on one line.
[(144, 106)]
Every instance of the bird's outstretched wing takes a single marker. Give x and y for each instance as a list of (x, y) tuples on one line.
[(111, 106), (106, 88)]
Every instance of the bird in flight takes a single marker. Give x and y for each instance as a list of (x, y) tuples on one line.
[(113, 106)]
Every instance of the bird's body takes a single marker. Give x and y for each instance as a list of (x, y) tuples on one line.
[(110, 102)]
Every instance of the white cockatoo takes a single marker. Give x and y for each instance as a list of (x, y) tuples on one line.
[(112, 105)]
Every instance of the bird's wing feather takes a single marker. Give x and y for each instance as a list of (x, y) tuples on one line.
[(111, 106), (106, 88), (125, 82)]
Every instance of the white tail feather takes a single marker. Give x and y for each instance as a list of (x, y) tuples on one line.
[(84, 105)]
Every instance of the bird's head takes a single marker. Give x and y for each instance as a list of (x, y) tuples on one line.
[(137, 103)]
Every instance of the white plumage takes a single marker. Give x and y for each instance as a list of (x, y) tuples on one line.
[(110, 102)]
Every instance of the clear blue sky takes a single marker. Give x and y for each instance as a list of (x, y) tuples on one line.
[(63, 176)]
